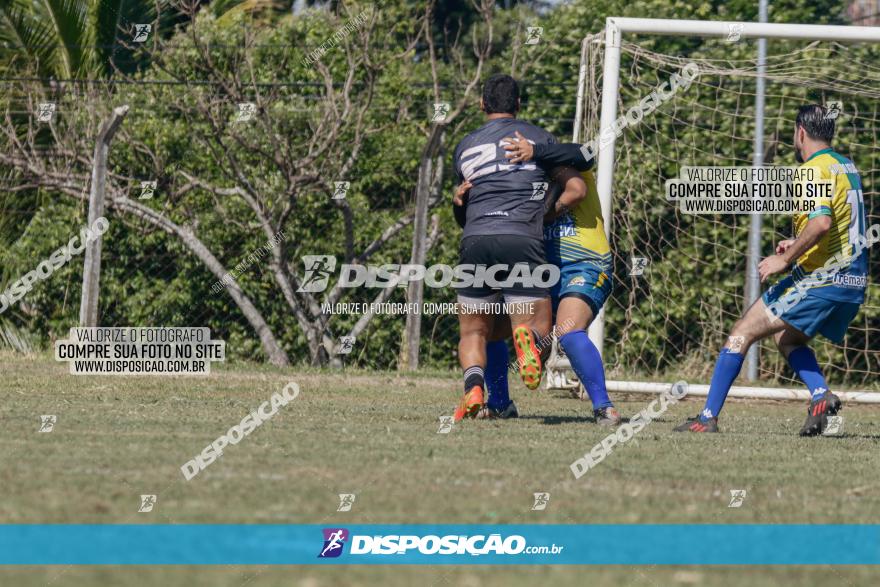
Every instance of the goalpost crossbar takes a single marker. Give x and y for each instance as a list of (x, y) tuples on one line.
[(615, 29)]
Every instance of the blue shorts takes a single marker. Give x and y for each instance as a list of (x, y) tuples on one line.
[(585, 281), (812, 314)]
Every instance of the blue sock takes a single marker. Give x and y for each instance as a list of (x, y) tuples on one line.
[(803, 362), (497, 359), (726, 371), (587, 364)]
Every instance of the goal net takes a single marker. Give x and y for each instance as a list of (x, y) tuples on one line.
[(670, 321)]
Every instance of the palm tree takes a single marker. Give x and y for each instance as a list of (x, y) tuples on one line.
[(67, 39), (50, 41), (70, 39)]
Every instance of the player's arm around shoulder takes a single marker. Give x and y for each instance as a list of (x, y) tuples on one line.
[(574, 190)]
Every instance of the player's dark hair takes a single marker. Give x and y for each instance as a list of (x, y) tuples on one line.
[(500, 94), (814, 119)]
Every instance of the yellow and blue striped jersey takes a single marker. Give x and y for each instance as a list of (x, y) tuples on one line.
[(579, 235), (846, 207)]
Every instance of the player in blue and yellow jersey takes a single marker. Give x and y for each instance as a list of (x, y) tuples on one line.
[(829, 262), (575, 240)]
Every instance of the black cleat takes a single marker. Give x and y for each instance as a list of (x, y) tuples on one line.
[(487, 413), (696, 425), (607, 416), (818, 412)]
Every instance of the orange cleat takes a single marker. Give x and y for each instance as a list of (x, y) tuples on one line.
[(527, 356), (471, 403)]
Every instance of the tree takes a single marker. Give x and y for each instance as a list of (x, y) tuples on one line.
[(223, 178)]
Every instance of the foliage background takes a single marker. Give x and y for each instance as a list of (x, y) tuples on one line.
[(668, 324)]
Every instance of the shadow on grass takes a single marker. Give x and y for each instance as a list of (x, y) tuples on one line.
[(553, 420)]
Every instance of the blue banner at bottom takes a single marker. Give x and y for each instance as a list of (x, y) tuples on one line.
[(483, 544)]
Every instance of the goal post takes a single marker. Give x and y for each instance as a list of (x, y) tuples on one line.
[(617, 33)]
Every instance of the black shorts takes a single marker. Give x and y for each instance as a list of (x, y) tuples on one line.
[(485, 252)]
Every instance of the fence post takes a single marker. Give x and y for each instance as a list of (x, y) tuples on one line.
[(88, 308), (412, 334), (753, 254)]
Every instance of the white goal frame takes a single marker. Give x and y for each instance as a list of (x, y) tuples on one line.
[(615, 28)]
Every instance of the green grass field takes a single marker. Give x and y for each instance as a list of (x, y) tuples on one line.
[(375, 435)]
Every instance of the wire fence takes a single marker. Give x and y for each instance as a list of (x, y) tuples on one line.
[(219, 189), (672, 316)]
